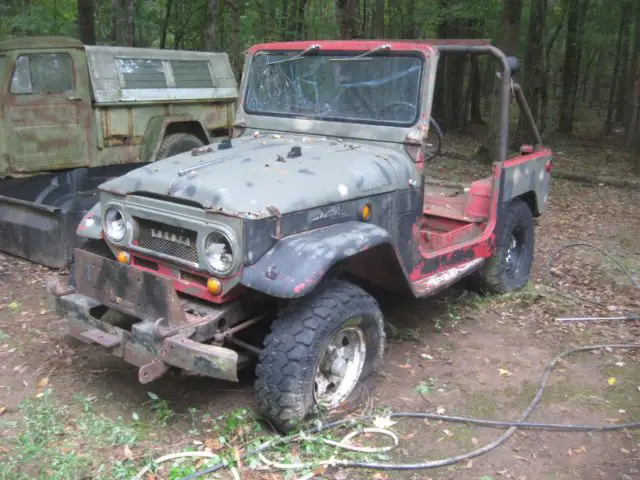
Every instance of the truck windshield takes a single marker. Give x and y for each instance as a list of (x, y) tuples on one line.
[(378, 89)]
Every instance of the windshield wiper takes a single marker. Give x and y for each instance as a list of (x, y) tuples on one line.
[(380, 48), (311, 48)]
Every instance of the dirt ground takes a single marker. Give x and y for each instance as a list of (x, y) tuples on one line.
[(72, 411)]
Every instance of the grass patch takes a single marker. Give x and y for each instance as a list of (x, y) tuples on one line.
[(52, 443)]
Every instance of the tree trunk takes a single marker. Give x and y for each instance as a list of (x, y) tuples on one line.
[(614, 79), (632, 126), (124, 15), (86, 22), (211, 27), (378, 19), (511, 14), (594, 98), (475, 85), (621, 101), (347, 13), (165, 25), (298, 24), (570, 69), (236, 56), (534, 57)]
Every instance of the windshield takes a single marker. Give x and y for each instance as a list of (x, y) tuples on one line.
[(379, 89)]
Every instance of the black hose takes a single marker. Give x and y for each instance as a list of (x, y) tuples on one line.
[(513, 426)]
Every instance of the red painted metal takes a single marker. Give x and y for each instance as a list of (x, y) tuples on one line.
[(346, 45), (188, 287)]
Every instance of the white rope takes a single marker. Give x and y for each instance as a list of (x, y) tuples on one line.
[(174, 456), (343, 444)]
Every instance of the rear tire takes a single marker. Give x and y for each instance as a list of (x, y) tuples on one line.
[(176, 143), (510, 266), (317, 352)]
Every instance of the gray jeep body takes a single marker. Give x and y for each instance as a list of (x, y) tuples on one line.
[(289, 192)]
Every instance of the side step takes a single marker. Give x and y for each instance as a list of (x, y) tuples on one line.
[(441, 280)]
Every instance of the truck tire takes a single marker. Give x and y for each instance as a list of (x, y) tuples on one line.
[(510, 266), (176, 143), (317, 352)]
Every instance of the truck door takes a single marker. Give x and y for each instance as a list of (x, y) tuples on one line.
[(47, 111)]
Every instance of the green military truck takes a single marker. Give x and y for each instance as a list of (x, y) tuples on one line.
[(73, 116)]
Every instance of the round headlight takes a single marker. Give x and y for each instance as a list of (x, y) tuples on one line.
[(115, 226), (219, 253)]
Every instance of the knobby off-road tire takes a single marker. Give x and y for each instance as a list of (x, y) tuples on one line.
[(510, 266), (304, 336), (178, 143)]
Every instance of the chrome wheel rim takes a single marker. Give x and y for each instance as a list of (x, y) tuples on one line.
[(340, 367), (514, 253)]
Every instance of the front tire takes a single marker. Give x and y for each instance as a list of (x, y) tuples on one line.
[(317, 352), (510, 266)]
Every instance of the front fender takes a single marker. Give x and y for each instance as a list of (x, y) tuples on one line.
[(91, 224), (297, 264)]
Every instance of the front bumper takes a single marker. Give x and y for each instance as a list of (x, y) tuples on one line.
[(164, 337)]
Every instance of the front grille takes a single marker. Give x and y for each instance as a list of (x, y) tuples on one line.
[(193, 278), (169, 240)]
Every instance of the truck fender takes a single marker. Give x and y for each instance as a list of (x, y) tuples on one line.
[(157, 128), (91, 224), (298, 263)]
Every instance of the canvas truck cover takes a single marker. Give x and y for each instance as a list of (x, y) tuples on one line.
[(138, 75)]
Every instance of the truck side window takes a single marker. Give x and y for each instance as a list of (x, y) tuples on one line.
[(42, 73)]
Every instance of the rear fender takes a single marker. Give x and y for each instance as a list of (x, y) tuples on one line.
[(91, 224), (298, 263), (157, 128)]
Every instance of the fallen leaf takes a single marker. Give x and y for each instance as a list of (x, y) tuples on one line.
[(620, 364), (474, 440), (2, 410), (469, 464), (638, 388), (518, 457), (440, 410), (447, 433), (426, 356), (380, 476), (625, 451), (504, 372), (40, 395), (406, 365), (128, 454), (212, 444), (612, 380), (43, 383), (383, 422)]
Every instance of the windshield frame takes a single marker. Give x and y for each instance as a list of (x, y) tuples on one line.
[(344, 54)]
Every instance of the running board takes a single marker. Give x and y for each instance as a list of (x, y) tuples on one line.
[(441, 280)]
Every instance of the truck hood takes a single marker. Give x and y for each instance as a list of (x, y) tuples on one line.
[(259, 173)]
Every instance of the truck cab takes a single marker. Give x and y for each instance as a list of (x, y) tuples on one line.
[(72, 116)]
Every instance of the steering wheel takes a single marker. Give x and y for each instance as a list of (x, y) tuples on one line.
[(409, 106), (428, 146)]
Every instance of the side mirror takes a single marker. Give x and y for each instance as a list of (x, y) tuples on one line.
[(514, 65)]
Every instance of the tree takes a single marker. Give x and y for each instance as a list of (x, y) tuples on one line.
[(211, 27), (124, 15), (534, 57), (510, 22), (347, 14), (632, 120), (570, 68), (86, 22)]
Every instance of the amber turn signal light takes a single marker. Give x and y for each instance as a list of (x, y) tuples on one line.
[(123, 257), (365, 213), (214, 286)]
